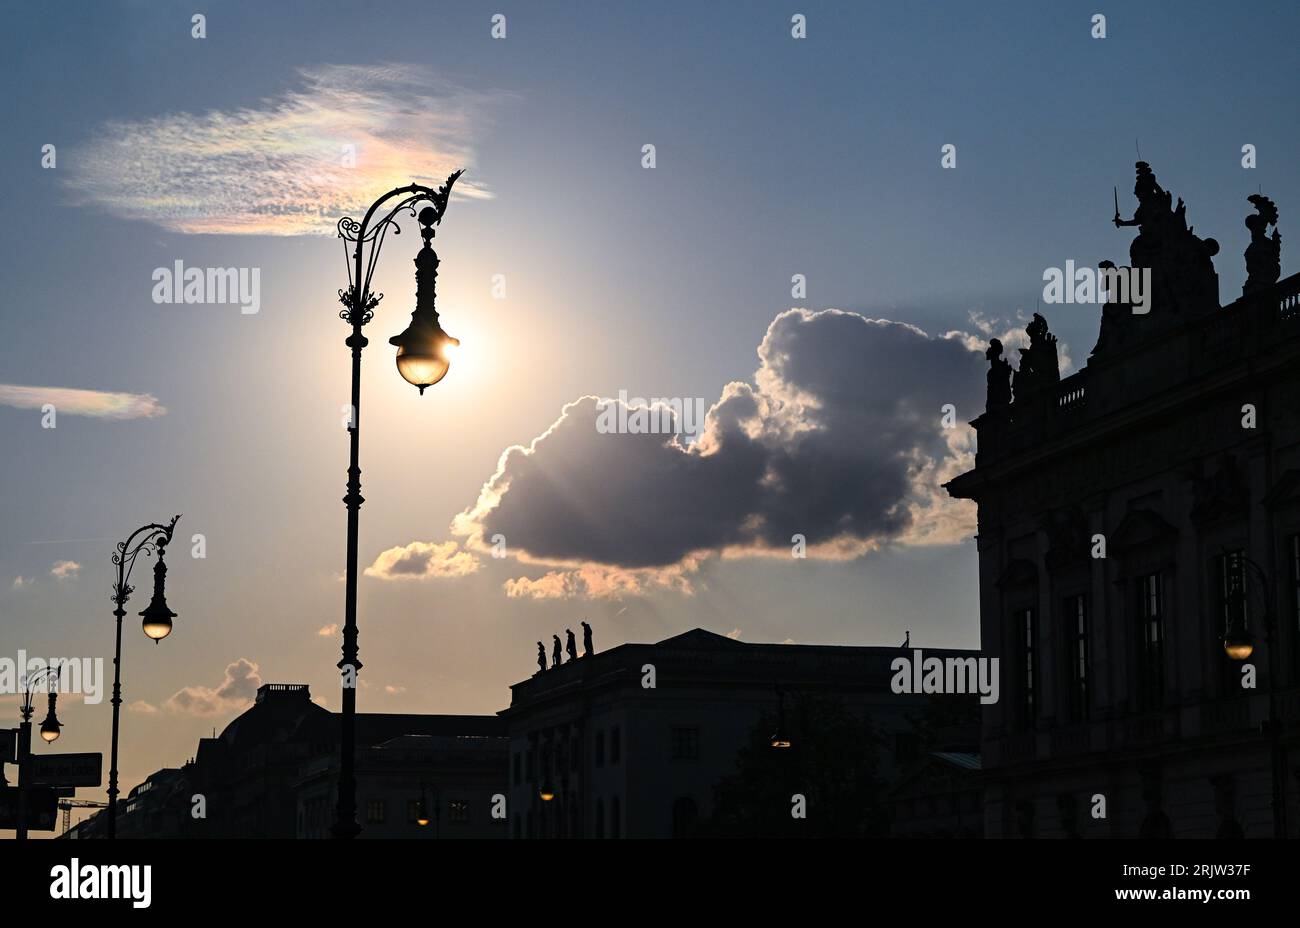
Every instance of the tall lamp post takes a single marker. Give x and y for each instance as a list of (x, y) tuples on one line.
[(1239, 644), (50, 729), (157, 623), (423, 357)]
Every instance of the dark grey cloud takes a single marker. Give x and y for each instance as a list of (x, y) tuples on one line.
[(838, 438)]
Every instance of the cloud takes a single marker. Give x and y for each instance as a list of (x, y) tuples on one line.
[(394, 690), (281, 167), (422, 560), (20, 582), (596, 581), (234, 692), (838, 438), (99, 404), (144, 708), (64, 569), (734, 634), (328, 631)]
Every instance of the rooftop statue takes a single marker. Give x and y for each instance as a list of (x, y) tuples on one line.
[(999, 377), (1039, 366), (1263, 254), (1182, 272)]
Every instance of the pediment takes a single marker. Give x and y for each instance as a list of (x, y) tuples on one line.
[(1019, 573), (1140, 528)]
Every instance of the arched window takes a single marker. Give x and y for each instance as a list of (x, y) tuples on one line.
[(685, 817)]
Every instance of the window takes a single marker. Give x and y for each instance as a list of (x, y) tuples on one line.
[(1293, 558), (615, 818), (413, 810), (600, 749), (1076, 639), (376, 812), (685, 743), (1025, 632), (458, 811), (1151, 641), (615, 745)]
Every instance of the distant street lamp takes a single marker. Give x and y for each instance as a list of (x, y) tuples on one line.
[(1239, 644), (423, 358), (157, 623), (49, 732), (780, 738)]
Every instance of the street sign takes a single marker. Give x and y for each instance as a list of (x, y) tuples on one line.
[(41, 808), (8, 745), (66, 769)]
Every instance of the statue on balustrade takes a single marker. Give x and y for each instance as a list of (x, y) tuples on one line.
[(999, 378), (556, 654), (541, 657), (1039, 366), (1263, 254), (1183, 279)]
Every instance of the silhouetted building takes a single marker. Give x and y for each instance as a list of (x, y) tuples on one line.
[(272, 773), (635, 741), (449, 780), (1126, 513)]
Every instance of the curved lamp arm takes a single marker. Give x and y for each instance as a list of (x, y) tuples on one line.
[(358, 302), (152, 536)]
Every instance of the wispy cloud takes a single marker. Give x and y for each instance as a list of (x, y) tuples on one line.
[(294, 164), (69, 401), (64, 569), (422, 560), (328, 631)]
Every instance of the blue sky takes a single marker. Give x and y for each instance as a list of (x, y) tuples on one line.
[(774, 157)]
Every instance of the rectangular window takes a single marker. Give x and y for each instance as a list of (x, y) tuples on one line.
[(615, 745), (1151, 641), (376, 812), (1076, 638), (458, 811), (1025, 631), (685, 743), (1293, 560)]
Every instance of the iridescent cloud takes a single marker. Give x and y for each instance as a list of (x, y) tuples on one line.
[(68, 401), (293, 165)]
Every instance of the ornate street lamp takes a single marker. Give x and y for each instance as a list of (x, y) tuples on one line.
[(423, 358), (49, 732), (1239, 645), (157, 623)]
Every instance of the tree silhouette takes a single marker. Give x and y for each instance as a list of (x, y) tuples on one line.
[(832, 762)]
